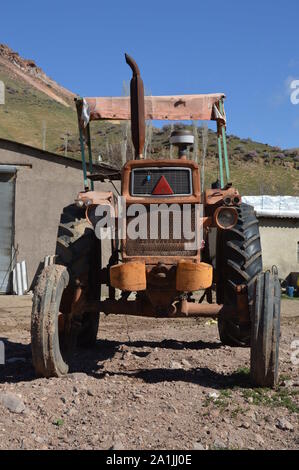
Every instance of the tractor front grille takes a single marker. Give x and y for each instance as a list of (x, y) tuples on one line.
[(144, 180), (170, 246)]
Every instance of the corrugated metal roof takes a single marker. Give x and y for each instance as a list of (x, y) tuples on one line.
[(274, 206)]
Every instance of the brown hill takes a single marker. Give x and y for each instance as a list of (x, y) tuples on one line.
[(28, 71)]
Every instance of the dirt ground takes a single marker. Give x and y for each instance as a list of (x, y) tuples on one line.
[(148, 384)]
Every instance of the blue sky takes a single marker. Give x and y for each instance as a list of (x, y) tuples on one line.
[(249, 50)]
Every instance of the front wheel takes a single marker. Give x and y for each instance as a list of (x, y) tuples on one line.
[(265, 332), (50, 338)]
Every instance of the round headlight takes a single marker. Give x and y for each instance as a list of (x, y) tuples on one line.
[(226, 217), (79, 203)]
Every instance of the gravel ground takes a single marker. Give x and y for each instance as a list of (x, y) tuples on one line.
[(148, 384)]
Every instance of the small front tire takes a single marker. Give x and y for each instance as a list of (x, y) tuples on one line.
[(46, 336), (265, 332)]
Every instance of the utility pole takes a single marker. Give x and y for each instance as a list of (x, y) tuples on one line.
[(44, 135), (2, 92), (66, 143)]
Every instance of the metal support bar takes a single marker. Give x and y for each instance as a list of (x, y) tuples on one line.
[(224, 145), (220, 160), (89, 155), (82, 145), (179, 309), (225, 154)]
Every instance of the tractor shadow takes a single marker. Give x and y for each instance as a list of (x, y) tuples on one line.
[(92, 361), (18, 366), (199, 375), (202, 376)]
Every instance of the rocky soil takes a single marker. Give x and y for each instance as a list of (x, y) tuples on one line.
[(148, 384)]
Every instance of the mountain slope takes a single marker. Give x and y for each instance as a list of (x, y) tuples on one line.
[(37, 111), (41, 113), (29, 72)]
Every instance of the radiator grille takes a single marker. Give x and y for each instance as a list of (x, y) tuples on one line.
[(171, 246), (144, 180)]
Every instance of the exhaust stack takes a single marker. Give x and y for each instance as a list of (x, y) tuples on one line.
[(137, 108)]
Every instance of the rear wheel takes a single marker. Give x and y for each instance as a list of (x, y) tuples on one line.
[(265, 333), (80, 251), (238, 262)]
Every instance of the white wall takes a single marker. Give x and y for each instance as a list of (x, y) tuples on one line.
[(279, 239)]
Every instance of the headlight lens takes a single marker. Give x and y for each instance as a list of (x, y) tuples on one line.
[(226, 217), (83, 202), (79, 203)]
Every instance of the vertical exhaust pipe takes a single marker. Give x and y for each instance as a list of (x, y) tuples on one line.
[(137, 108)]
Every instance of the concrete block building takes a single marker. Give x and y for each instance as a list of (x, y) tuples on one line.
[(35, 185)]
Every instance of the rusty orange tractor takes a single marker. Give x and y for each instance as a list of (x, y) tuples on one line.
[(169, 239)]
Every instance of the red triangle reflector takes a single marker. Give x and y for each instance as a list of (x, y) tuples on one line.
[(162, 187)]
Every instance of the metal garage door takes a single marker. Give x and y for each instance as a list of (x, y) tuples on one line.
[(7, 194)]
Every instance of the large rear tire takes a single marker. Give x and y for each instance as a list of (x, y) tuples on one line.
[(80, 251), (238, 262), (265, 335)]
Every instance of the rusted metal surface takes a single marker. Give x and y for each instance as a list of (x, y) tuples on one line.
[(95, 197), (179, 309), (216, 197), (160, 294), (170, 246), (216, 219), (174, 108), (128, 276), (242, 303), (166, 259), (153, 252), (193, 276), (192, 309), (137, 108)]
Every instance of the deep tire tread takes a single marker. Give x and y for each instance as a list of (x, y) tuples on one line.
[(77, 247), (239, 261)]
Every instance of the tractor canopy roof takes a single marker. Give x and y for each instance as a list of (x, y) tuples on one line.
[(179, 107)]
